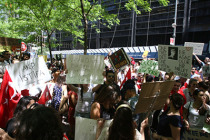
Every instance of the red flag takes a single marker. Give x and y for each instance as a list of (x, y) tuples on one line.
[(45, 96), (8, 99), (128, 76)]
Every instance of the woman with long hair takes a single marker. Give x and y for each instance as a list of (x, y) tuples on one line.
[(122, 126), (196, 112), (24, 103), (170, 122), (104, 103)]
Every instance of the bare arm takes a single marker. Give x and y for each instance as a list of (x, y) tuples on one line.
[(199, 61), (159, 137), (100, 125), (175, 132), (73, 88), (4, 135), (143, 126), (185, 114), (73, 99), (95, 111), (96, 88)]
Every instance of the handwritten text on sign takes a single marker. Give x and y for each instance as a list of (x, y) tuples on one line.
[(149, 67), (197, 47), (85, 69), (177, 59), (29, 72)]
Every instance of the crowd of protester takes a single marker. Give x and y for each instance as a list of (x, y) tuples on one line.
[(187, 106)]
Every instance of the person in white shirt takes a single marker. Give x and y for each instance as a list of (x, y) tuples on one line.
[(196, 112), (85, 98)]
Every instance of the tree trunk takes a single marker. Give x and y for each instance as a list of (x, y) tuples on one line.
[(85, 38), (50, 49), (85, 27), (41, 43)]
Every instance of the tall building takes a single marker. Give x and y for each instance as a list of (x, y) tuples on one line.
[(149, 28)]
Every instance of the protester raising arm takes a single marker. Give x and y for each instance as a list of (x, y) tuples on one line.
[(199, 61)]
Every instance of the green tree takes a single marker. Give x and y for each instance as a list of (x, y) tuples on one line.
[(26, 16), (37, 16), (139, 5), (92, 11), (87, 12)]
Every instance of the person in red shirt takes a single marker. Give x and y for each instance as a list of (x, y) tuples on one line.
[(176, 89)]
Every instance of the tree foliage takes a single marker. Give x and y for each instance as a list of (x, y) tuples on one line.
[(19, 18), (139, 5)]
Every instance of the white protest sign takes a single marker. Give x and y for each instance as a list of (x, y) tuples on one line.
[(149, 67), (86, 128), (27, 73), (177, 59), (197, 47), (85, 69), (195, 135), (206, 70)]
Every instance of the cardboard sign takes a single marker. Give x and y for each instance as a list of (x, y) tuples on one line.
[(119, 59), (27, 73), (176, 59), (85, 69), (206, 70), (195, 135), (2, 41), (197, 47), (149, 67), (153, 96), (86, 128), (12, 42)]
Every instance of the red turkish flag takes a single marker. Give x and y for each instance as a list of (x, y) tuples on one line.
[(8, 99), (45, 96), (128, 76)]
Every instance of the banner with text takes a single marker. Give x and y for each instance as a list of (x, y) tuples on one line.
[(85, 69), (197, 47), (195, 135), (27, 73), (86, 128), (176, 59), (119, 59), (149, 67)]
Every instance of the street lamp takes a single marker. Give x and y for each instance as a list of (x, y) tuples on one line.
[(174, 24)]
